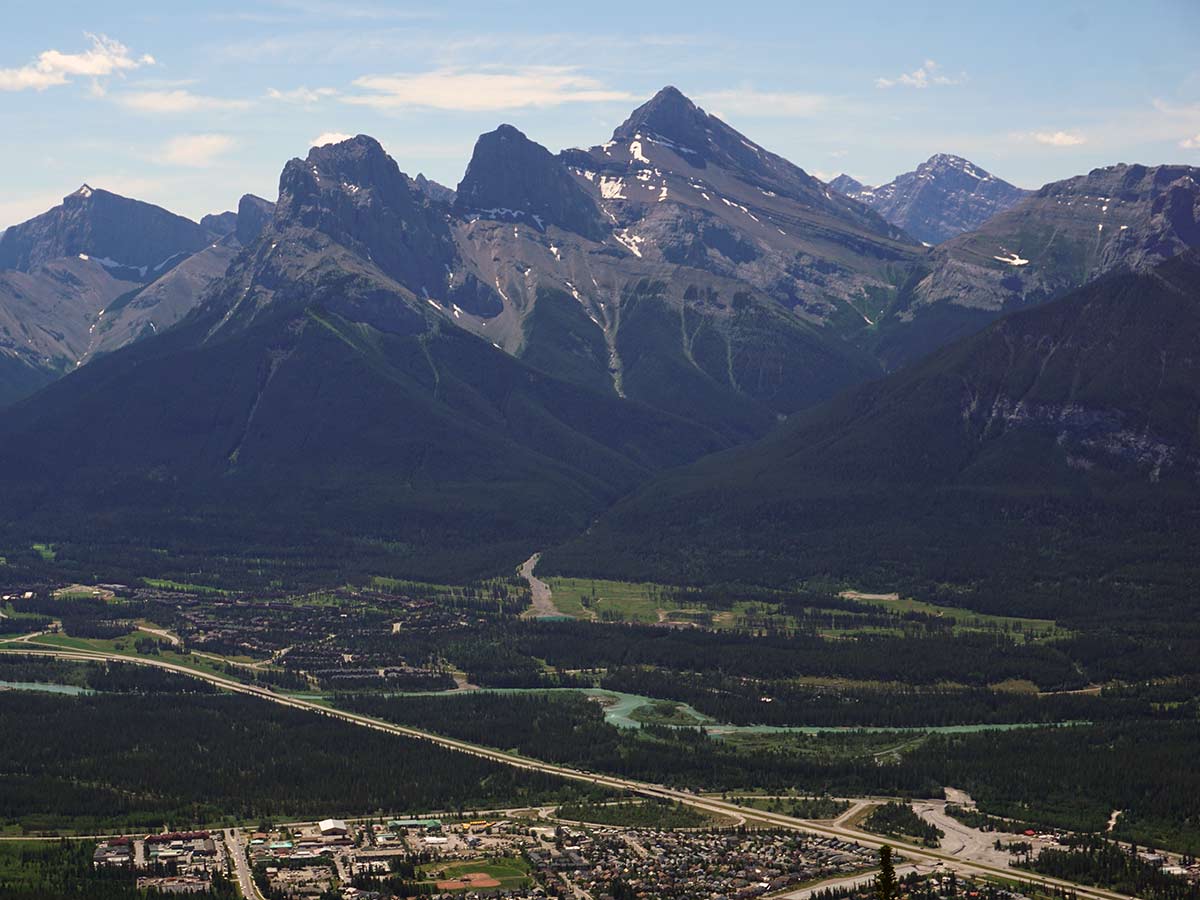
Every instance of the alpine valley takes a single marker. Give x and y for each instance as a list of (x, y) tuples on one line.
[(649, 520)]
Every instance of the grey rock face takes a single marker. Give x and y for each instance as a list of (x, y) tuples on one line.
[(220, 224), (96, 223), (944, 196), (355, 194), (511, 176), (433, 190), (253, 215)]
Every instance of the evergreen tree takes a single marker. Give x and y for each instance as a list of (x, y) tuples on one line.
[(885, 882)]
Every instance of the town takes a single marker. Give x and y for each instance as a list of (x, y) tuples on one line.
[(524, 854), (521, 854)]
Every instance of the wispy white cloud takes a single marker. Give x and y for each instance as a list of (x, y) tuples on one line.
[(177, 101), (305, 95), (1058, 138), (329, 137), (195, 150), (749, 102), (106, 57), (928, 74), (1192, 143), (483, 90)]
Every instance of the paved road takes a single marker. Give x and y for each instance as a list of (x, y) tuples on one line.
[(858, 879), (642, 788), (856, 806), (543, 603), (241, 867), (162, 633)]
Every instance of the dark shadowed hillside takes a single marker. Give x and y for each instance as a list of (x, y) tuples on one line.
[(316, 407), (1061, 441)]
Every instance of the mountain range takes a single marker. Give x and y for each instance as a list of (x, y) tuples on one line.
[(424, 381), (1123, 217), (96, 273), (943, 197)]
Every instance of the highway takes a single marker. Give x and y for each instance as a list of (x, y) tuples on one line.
[(710, 804)]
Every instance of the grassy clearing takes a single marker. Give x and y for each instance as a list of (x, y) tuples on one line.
[(861, 816), (511, 871), (639, 814), (618, 601), (45, 551), (125, 646), (969, 620), (797, 806), (649, 603)]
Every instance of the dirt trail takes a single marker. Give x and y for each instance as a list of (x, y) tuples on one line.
[(543, 603)]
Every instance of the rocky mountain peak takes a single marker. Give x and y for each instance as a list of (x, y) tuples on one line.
[(128, 234), (510, 176), (944, 196), (358, 162), (668, 114), (355, 194), (336, 174), (848, 185), (433, 189), (221, 224), (253, 215), (670, 121), (947, 165)]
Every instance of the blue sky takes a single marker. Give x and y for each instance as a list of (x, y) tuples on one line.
[(190, 105)]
